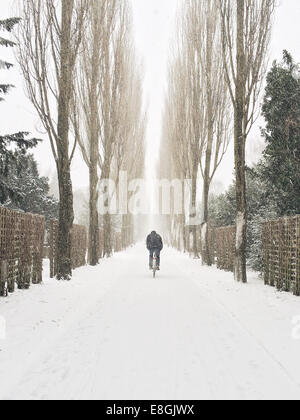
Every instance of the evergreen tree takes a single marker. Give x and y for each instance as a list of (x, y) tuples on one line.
[(281, 110), (30, 191), (10, 142), (261, 206), (6, 25), (222, 208)]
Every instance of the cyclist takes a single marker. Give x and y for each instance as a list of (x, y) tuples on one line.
[(154, 245)]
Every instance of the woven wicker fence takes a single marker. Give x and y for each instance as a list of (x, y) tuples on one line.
[(78, 247), (21, 250), (281, 247), (117, 242), (225, 247), (211, 243)]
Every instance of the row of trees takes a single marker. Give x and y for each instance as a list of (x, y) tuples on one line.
[(197, 115), (216, 75), (107, 103), (83, 79), (273, 185)]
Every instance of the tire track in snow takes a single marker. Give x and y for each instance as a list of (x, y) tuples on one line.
[(167, 338), (252, 335)]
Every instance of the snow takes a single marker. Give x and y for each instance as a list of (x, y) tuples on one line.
[(115, 333), (3, 65)]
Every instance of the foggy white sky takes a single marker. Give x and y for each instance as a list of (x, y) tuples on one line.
[(154, 29)]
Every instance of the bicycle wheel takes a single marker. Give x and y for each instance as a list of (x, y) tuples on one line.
[(154, 265)]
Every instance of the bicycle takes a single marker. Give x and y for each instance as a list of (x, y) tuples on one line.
[(154, 265)]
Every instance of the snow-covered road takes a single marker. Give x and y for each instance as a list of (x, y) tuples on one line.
[(115, 333)]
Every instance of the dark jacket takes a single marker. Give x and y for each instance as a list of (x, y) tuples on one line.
[(154, 241)]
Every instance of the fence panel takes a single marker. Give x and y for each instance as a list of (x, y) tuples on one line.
[(21, 250), (118, 242), (225, 247), (281, 249), (212, 244), (78, 247)]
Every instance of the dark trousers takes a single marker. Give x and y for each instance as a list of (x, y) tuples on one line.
[(157, 252)]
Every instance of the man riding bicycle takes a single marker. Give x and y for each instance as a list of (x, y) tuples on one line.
[(154, 245)]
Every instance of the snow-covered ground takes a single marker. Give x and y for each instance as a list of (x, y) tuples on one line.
[(115, 333)]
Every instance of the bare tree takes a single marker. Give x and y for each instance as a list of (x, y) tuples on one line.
[(129, 154), (98, 80), (195, 126), (204, 35), (246, 30), (49, 38), (176, 160), (86, 96), (109, 106), (187, 81), (197, 118), (109, 102)]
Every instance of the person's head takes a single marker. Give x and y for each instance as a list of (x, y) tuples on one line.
[(153, 232)]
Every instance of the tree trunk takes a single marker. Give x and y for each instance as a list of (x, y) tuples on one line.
[(130, 230), (94, 216), (66, 214), (107, 228), (183, 219), (208, 153), (127, 232), (107, 240), (66, 217), (205, 199), (123, 234), (94, 150), (194, 210), (183, 230), (205, 254), (240, 270)]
